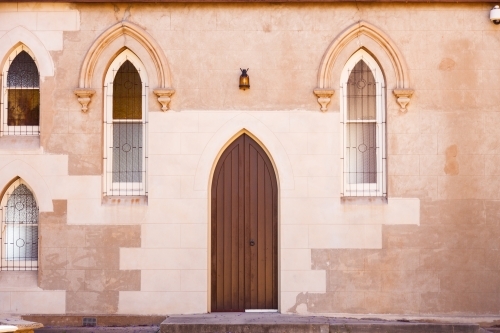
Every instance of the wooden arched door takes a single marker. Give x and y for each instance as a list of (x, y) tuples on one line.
[(244, 229)]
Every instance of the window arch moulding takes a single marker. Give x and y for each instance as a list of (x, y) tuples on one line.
[(22, 36), (164, 91), (358, 36)]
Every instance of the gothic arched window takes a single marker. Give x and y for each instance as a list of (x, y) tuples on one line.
[(363, 118), (21, 94), (125, 120), (19, 228)]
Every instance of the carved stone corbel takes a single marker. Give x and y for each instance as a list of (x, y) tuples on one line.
[(84, 97), (324, 97), (164, 97), (403, 97)]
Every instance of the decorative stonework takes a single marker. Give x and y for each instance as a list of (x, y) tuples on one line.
[(84, 97), (324, 97), (403, 98), (164, 97)]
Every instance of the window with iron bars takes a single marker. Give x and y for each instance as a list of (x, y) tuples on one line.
[(125, 126), (364, 125), (20, 102), (19, 229)]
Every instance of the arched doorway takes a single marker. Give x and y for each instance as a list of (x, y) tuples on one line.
[(244, 229)]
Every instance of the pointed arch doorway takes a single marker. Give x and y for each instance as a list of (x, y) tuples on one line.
[(244, 229)]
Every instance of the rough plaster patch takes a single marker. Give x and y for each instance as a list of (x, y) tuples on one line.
[(451, 166)]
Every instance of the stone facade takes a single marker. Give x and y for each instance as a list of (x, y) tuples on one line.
[(430, 249)]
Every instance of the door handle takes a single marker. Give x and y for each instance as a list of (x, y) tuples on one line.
[(252, 242)]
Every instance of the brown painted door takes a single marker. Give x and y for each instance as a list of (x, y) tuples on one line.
[(244, 229)]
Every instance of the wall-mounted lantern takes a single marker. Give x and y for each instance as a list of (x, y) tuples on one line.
[(244, 79), (495, 15)]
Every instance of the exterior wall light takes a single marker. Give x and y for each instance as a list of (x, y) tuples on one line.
[(495, 15), (244, 79)]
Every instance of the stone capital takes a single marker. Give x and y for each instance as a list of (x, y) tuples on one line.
[(403, 97), (324, 97), (164, 97), (84, 97)]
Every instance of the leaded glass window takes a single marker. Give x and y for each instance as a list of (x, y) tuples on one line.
[(363, 117), (19, 229), (21, 83), (125, 127)]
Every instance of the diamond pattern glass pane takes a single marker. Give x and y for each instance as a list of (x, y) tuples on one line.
[(361, 93), (127, 152), (21, 220), (361, 153), (23, 72)]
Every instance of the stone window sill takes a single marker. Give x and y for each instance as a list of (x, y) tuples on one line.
[(363, 200), (118, 200)]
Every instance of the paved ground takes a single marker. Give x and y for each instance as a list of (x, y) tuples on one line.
[(277, 323), (148, 329)]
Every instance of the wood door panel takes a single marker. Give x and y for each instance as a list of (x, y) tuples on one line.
[(244, 208)]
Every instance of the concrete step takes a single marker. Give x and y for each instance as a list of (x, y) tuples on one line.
[(279, 323)]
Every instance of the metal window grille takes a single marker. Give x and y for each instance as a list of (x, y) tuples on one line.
[(126, 157), (21, 100), (364, 133), (19, 234)]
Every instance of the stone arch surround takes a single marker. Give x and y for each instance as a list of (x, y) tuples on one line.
[(21, 35), (114, 40), (21, 169), (374, 40), (244, 123)]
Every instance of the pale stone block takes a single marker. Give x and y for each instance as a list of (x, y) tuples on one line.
[(162, 303), (172, 121), (277, 121), (294, 143), (193, 18), (160, 235), (295, 259), (177, 211), (49, 302), (13, 19), (396, 211), (402, 211), (5, 301), (211, 121), (322, 144), (287, 300), (164, 187), (48, 165), (314, 165), (18, 280), (171, 165), (300, 189), (133, 258), (53, 40), (194, 280), (160, 280), (303, 281), (326, 187), (67, 21), (294, 236), (194, 236), (188, 190), (164, 143), (194, 143), (345, 236), (310, 211), (314, 122)]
